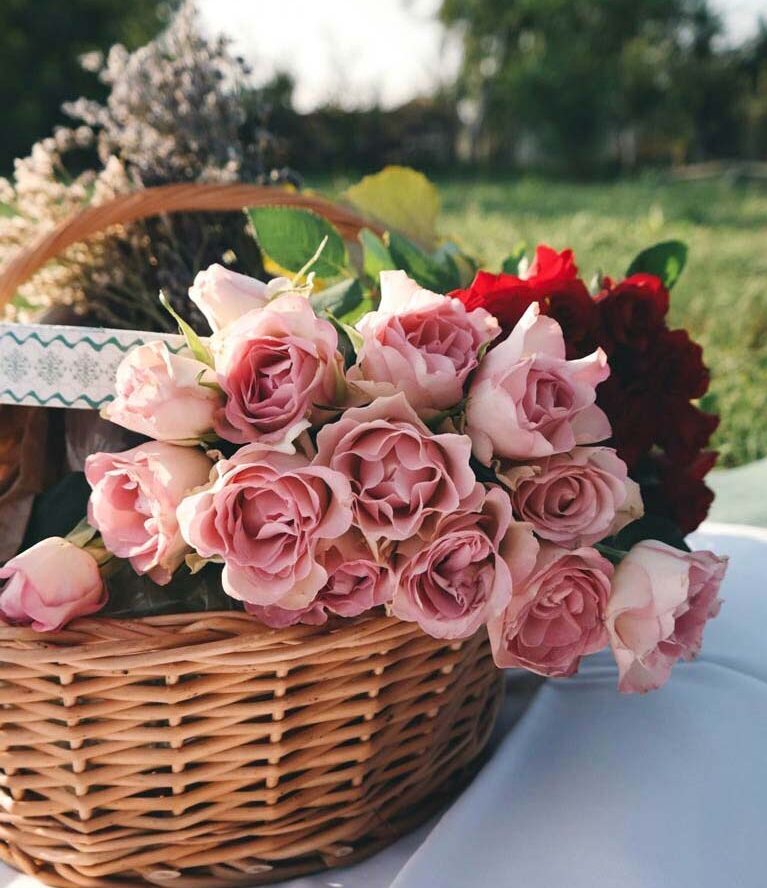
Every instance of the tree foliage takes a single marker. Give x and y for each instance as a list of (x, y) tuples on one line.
[(575, 75), (40, 46)]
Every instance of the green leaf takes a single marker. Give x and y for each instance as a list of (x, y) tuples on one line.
[(290, 237), (402, 198), (196, 346), (375, 254), (649, 527), (665, 260), (339, 299), (350, 318), (510, 264), (428, 271), (349, 340)]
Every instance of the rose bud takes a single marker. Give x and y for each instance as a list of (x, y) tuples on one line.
[(266, 515), (134, 499), (279, 367), (402, 476), (556, 616), (223, 295), (463, 577), (575, 499), (160, 395), (50, 584), (356, 583), (660, 603), (419, 343), (526, 401)]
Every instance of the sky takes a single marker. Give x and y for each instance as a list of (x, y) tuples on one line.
[(359, 52)]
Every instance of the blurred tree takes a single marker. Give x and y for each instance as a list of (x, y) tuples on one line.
[(581, 78), (40, 46)]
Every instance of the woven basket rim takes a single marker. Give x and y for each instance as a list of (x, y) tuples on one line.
[(162, 641)]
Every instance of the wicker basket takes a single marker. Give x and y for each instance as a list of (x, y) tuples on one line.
[(205, 750)]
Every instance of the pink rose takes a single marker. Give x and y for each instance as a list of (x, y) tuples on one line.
[(223, 296), (419, 343), (660, 602), (464, 577), (49, 585), (402, 477), (278, 366), (159, 395), (526, 401), (557, 615), (134, 499), (575, 499), (265, 515), (355, 584)]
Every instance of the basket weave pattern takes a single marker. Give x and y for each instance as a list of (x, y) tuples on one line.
[(205, 750)]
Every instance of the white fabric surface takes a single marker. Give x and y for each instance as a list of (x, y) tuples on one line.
[(595, 790)]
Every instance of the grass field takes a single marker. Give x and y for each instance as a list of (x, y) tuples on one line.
[(721, 298)]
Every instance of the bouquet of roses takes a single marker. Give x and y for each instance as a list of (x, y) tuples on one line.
[(450, 458)]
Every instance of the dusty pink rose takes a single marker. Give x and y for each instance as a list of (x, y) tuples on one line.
[(660, 603), (575, 499), (278, 367), (159, 395), (134, 499), (419, 343), (223, 295), (265, 515), (402, 476), (355, 584), (49, 585), (526, 401), (464, 576), (557, 615)]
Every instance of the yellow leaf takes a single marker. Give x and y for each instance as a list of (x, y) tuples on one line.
[(402, 199)]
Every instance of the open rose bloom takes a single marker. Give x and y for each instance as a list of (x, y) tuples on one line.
[(459, 461)]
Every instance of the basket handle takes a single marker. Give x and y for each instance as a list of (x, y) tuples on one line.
[(190, 197)]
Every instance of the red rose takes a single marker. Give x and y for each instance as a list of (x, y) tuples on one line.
[(553, 283), (550, 267), (681, 494), (632, 311), (685, 429), (674, 364), (633, 416)]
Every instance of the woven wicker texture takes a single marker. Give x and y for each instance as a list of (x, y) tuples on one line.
[(191, 196), (205, 750)]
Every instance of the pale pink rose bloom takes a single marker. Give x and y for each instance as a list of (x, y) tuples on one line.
[(278, 366), (575, 499), (419, 343), (402, 476), (557, 615), (49, 585), (464, 576), (526, 401), (159, 395), (223, 295), (265, 514), (356, 583), (660, 603), (134, 499)]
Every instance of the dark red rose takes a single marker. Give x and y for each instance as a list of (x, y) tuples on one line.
[(681, 493), (553, 283), (684, 429), (675, 365), (632, 311), (633, 416)]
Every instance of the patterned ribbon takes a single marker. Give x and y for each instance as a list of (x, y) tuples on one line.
[(54, 366)]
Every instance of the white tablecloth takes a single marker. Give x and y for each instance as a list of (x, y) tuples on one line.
[(591, 789)]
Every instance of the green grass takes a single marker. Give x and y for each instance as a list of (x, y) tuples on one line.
[(721, 298)]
